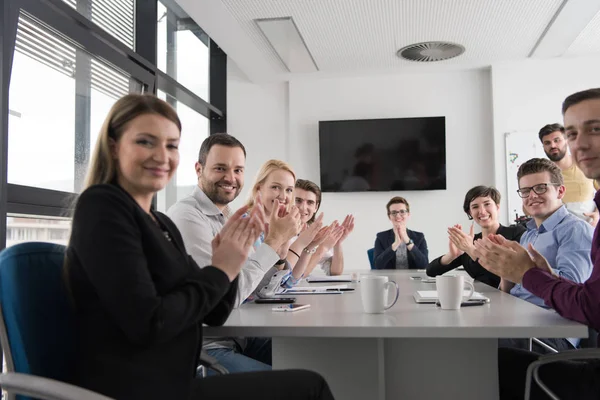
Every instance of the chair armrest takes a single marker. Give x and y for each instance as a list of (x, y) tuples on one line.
[(210, 362), (568, 355), (544, 345), (45, 389)]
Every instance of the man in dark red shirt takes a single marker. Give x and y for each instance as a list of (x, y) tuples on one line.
[(576, 301)]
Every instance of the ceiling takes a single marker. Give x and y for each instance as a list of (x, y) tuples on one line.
[(362, 36)]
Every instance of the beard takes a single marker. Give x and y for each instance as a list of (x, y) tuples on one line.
[(558, 156), (213, 191)]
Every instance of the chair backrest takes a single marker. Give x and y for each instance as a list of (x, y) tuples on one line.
[(371, 259), (37, 325)]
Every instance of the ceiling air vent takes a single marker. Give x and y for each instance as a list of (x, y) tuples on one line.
[(430, 51)]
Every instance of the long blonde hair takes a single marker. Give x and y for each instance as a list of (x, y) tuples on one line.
[(263, 174), (103, 168)]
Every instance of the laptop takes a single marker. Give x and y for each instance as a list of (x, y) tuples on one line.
[(431, 296)]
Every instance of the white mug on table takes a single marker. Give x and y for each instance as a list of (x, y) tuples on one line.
[(374, 292), (450, 291)]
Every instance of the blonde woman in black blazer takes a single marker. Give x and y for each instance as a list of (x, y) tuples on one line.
[(140, 300)]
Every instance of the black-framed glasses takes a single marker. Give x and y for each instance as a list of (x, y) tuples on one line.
[(538, 189), (401, 212)]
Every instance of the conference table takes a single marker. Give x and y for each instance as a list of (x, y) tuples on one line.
[(411, 351)]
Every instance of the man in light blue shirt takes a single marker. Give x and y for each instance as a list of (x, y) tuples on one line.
[(563, 239)]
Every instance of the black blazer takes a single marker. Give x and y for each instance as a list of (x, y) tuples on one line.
[(472, 267), (385, 258), (140, 300)]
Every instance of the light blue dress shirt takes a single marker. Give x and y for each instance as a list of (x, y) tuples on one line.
[(566, 242)]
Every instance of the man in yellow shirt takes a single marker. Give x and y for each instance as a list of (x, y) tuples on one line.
[(579, 196)]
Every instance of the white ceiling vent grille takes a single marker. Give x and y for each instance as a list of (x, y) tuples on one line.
[(430, 51)]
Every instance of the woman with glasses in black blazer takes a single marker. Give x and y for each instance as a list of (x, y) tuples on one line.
[(400, 247)]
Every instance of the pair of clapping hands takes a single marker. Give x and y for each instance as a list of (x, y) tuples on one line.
[(504, 258), (316, 235)]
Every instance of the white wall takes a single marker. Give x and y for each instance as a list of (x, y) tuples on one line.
[(528, 95), (464, 98), (257, 116)]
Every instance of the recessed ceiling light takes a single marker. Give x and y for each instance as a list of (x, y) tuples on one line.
[(286, 40), (430, 51)]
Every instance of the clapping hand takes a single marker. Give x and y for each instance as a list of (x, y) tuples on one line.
[(231, 245), (461, 240)]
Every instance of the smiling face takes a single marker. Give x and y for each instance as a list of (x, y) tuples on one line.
[(398, 214), (555, 146), (306, 201), (279, 185), (541, 206), (146, 154), (484, 211), (222, 176), (582, 127)]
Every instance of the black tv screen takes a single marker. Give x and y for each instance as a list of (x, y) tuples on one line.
[(383, 154)]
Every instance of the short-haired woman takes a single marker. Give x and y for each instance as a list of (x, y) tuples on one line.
[(481, 205), (400, 247)]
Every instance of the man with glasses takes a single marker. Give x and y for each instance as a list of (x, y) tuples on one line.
[(563, 239), (580, 190)]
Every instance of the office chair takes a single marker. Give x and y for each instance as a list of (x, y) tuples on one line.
[(588, 350), (37, 326), (37, 330), (569, 355), (585, 343), (370, 254), (14, 383)]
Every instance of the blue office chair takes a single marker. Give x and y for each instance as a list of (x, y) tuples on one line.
[(370, 253), (37, 328)]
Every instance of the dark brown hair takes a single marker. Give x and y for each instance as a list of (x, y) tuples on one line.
[(550, 128), (578, 97), (480, 191), (223, 139), (536, 165)]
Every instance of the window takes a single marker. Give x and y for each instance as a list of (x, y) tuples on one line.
[(20, 229), (114, 16), (182, 48), (194, 131), (55, 119)]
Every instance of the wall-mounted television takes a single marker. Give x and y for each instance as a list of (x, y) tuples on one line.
[(383, 154)]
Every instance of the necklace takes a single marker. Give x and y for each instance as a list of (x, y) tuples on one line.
[(163, 230)]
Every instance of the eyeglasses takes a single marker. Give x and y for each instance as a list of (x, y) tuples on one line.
[(538, 189), (401, 212)]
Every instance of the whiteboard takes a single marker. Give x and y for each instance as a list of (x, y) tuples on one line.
[(520, 147)]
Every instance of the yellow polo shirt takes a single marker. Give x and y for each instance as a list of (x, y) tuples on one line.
[(579, 188)]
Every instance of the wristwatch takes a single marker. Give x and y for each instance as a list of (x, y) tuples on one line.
[(410, 241), (311, 251)]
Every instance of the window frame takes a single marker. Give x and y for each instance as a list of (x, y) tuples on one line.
[(140, 64)]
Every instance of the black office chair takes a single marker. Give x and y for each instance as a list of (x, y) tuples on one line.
[(588, 350)]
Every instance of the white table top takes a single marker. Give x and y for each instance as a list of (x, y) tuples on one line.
[(341, 315)]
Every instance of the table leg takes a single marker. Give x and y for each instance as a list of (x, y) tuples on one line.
[(373, 368)]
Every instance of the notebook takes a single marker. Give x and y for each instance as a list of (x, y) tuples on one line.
[(431, 296)]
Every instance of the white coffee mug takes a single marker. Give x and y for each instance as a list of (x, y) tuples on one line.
[(450, 291), (374, 292)]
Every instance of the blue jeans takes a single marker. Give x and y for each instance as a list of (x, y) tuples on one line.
[(255, 357)]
